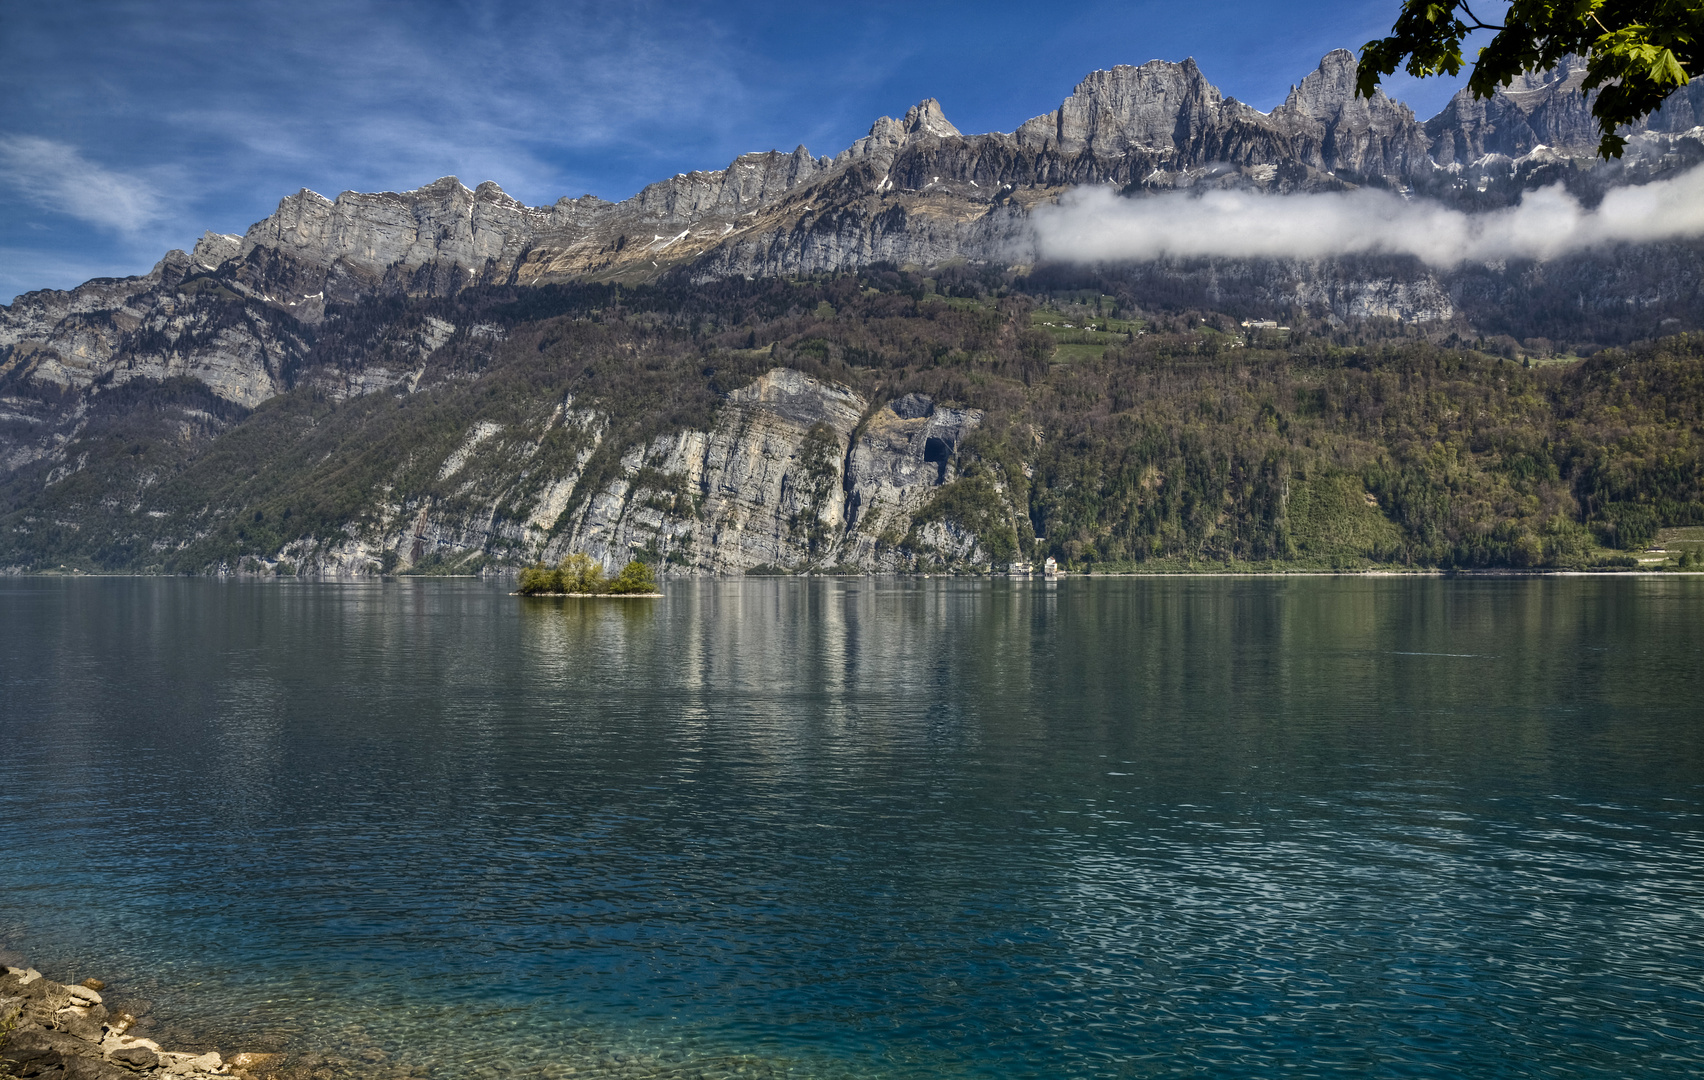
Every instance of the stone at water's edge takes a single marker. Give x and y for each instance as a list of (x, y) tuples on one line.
[(66, 1032)]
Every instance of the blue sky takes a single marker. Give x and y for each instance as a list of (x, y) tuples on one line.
[(131, 127)]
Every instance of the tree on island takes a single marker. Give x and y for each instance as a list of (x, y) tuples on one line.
[(635, 577), (1637, 52), (580, 574)]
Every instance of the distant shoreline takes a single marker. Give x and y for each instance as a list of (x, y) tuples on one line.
[(1102, 575)]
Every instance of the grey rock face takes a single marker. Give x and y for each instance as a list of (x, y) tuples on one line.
[(1171, 113), (442, 221), (1544, 109), (1158, 106), (904, 452), (113, 331), (795, 474), (912, 407), (784, 479), (1534, 110), (1335, 130), (213, 249), (887, 135)]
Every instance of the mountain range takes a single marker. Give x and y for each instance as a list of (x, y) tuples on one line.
[(393, 294)]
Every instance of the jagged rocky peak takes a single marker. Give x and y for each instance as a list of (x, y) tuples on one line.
[(1537, 108), (1335, 129), (1328, 89), (887, 135), (1154, 106), (1327, 96), (214, 248), (1544, 108), (490, 191), (926, 118)]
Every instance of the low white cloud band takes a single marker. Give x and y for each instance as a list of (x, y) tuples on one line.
[(1096, 225)]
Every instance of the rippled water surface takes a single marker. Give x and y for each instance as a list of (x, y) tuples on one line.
[(866, 827)]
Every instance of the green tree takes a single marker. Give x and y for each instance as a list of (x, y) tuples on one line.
[(1637, 52), (576, 573), (581, 573), (635, 577), (538, 579)]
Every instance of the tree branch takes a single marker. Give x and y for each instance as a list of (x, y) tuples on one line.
[(1477, 25)]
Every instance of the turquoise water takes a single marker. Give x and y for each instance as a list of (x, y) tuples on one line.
[(867, 827)]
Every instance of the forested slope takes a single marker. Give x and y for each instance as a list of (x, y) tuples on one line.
[(1009, 408)]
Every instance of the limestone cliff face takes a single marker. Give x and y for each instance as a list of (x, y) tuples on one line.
[(1171, 118), (1543, 109), (795, 474), (109, 332), (442, 221), (888, 136), (1333, 129), (764, 485), (1157, 106), (1531, 112)]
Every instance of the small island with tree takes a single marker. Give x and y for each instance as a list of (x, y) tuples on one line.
[(581, 575)]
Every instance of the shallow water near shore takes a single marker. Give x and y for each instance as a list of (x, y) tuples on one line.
[(872, 827)]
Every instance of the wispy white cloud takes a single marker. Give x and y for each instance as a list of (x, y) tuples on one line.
[(528, 95), (1096, 225), (56, 177)]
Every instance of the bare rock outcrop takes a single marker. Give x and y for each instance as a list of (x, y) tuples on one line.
[(795, 474), (66, 1032), (441, 222), (790, 477), (1333, 129)]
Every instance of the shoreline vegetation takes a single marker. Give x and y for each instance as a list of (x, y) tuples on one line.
[(1671, 550), (581, 575)]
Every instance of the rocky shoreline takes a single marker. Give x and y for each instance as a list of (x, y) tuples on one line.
[(59, 1031), (67, 1032)]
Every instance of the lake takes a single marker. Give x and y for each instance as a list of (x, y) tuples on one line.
[(867, 827)]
